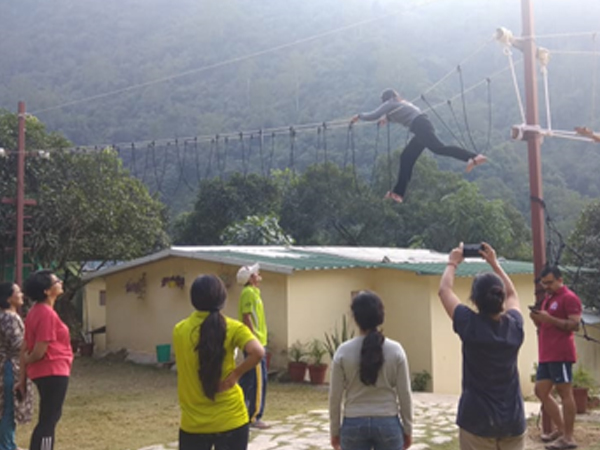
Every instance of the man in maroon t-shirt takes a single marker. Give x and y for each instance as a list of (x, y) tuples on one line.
[(556, 320)]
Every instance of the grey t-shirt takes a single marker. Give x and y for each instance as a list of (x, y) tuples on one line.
[(397, 111), (390, 396)]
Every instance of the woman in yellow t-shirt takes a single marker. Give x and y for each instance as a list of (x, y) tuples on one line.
[(213, 412)]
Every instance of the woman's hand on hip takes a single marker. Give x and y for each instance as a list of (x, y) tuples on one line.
[(229, 381)]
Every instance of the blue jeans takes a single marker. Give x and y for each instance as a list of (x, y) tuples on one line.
[(7, 424), (367, 433)]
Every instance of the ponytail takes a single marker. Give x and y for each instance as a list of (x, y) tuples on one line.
[(371, 357), (368, 312), (211, 352), (208, 293)]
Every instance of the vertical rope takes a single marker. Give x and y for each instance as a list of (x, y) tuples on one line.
[(489, 130), (389, 156), (374, 167), (442, 121), (347, 149), (325, 156), (183, 175), (261, 143), (244, 162), (146, 164), (353, 155), (511, 63), (224, 158), (461, 141), (544, 71), (318, 146), (250, 151), (178, 182), (133, 162), (464, 107), (213, 144), (156, 182), (292, 146), (164, 166), (197, 159), (272, 155)]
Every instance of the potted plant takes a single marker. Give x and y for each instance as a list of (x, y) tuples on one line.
[(338, 337), (317, 368), (420, 381), (297, 365), (583, 383)]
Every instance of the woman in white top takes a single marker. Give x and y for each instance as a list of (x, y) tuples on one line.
[(371, 372)]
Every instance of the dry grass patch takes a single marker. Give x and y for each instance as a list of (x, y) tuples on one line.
[(114, 406), (118, 406)]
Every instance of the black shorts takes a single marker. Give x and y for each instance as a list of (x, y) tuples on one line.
[(557, 372)]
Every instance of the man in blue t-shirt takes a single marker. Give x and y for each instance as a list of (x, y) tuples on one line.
[(490, 411)]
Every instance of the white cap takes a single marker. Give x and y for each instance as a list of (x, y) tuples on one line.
[(245, 272)]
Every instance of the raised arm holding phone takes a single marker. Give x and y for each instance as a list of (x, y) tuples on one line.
[(490, 412)]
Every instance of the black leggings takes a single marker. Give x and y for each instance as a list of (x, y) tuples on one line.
[(236, 439), (52, 391), (424, 137)]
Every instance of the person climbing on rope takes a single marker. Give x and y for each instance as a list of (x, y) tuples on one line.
[(395, 109), (587, 132)]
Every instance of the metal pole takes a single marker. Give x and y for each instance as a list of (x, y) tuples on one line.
[(20, 201), (535, 166)]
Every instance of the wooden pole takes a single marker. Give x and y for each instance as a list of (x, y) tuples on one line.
[(534, 156), (20, 200)]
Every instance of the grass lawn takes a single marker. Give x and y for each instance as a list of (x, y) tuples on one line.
[(114, 405), (120, 406)]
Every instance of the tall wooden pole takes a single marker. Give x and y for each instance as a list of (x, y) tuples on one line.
[(535, 166), (533, 143), (20, 200)]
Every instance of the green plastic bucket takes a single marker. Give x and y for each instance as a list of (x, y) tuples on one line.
[(163, 353)]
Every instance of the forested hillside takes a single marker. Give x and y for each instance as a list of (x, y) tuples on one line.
[(141, 70)]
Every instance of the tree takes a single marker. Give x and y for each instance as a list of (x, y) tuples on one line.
[(585, 251), (221, 203), (327, 206), (256, 230), (88, 207)]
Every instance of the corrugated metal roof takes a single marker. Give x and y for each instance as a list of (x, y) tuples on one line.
[(289, 259)]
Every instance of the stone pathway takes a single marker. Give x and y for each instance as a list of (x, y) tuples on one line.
[(433, 424)]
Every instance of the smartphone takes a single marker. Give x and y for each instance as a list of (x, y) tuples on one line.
[(533, 309), (472, 250)]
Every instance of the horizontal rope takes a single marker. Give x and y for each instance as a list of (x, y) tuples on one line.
[(575, 52), (591, 34)]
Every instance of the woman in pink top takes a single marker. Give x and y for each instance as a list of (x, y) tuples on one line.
[(46, 354)]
